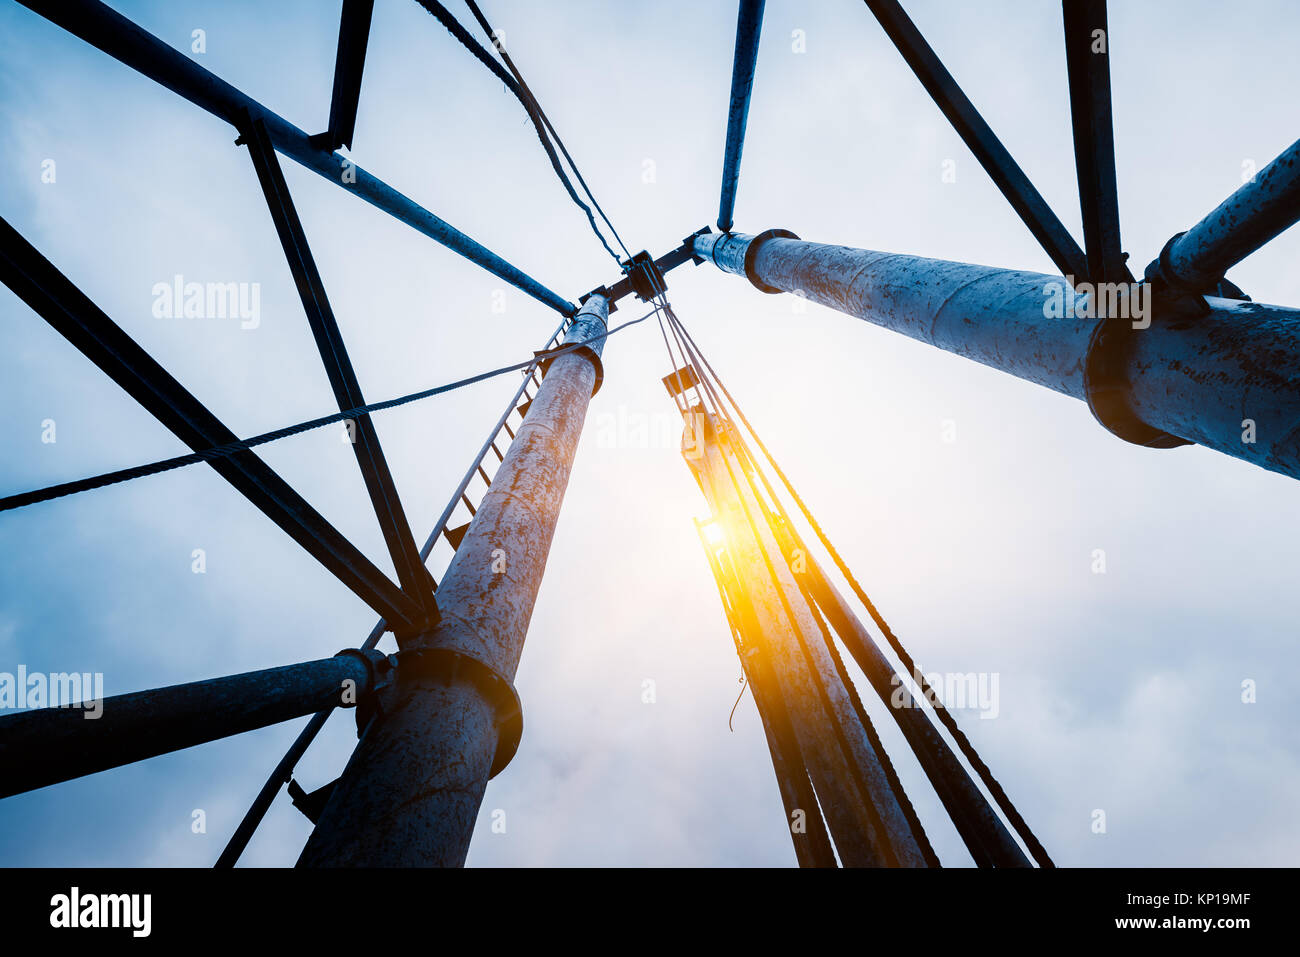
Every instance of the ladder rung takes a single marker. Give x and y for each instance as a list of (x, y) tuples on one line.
[(456, 535), (310, 803)]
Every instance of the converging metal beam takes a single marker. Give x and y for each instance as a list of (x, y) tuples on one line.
[(1259, 210), (1087, 60), (812, 846), (1225, 379), (749, 25), (47, 745), (412, 789), (65, 307), (349, 62), (114, 34), (863, 811), (985, 836), (411, 573), (979, 138)]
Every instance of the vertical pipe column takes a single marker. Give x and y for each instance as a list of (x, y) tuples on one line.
[(861, 809), (411, 792)]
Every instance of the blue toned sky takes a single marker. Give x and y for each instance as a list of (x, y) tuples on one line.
[(1119, 692)]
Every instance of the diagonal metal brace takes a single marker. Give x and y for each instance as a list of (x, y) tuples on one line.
[(411, 572), (74, 316)]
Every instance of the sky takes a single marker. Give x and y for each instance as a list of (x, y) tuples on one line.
[(1119, 692)]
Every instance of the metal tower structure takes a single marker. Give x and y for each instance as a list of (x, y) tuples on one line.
[(1179, 357)]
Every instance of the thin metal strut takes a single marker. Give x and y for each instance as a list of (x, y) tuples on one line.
[(102, 27), (65, 307), (378, 479), (1087, 57), (749, 25), (980, 139), (350, 60)]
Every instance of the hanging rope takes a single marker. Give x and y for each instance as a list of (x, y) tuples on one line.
[(11, 502), (524, 96), (537, 112)]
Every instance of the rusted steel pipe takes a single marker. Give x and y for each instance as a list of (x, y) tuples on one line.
[(804, 821), (412, 789), (862, 810), (1246, 220), (1227, 379), (49, 745)]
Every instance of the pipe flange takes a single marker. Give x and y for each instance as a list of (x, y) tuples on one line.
[(379, 667), (1160, 272), (752, 250), (546, 356), (447, 666), (1106, 386)]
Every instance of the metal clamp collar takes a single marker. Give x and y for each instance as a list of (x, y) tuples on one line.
[(379, 668), (546, 356), (752, 250), (447, 666), (1107, 388)]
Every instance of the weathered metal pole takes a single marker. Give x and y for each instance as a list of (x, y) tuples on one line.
[(48, 745), (864, 814), (804, 821), (1226, 379), (450, 719), (749, 26), (1246, 220)]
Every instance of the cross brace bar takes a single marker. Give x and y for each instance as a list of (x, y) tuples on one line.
[(65, 307), (749, 25), (48, 745), (412, 574), (114, 34), (1087, 58), (980, 139), (1256, 212), (349, 61)]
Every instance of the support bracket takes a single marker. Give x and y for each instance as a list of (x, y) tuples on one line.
[(313, 803), (644, 276)]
